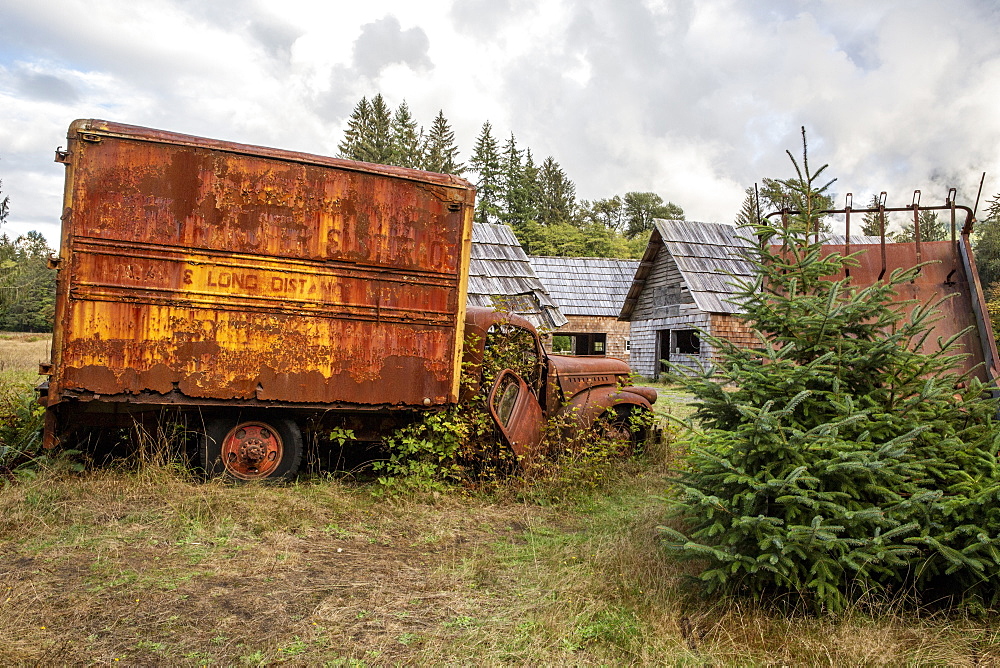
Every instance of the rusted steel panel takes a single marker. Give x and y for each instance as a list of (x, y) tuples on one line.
[(207, 270), (576, 374), (943, 276)]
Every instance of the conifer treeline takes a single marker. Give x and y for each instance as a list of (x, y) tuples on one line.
[(538, 200), (27, 285)]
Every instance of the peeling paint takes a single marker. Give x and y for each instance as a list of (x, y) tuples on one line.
[(221, 271)]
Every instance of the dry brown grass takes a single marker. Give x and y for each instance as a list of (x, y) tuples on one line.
[(151, 568), (20, 355), (21, 351), (148, 567)]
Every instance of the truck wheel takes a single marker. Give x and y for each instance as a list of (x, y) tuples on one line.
[(269, 449), (621, 425)]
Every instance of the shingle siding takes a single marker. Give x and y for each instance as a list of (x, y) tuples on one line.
[(617, 333), (685, 282)]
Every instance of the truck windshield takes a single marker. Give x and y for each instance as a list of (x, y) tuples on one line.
[(514, 348)]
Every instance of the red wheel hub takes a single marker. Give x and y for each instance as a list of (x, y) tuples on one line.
[(252, 450)]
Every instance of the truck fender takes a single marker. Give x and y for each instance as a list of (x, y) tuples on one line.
[(587, 406)]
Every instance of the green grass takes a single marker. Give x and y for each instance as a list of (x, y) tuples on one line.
[(149, 567)]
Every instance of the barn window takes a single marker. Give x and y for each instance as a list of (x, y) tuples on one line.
[(579, 344), (687, 342)]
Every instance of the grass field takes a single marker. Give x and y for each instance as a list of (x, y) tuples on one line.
[(149, 568), (142, 565), (20, 354)]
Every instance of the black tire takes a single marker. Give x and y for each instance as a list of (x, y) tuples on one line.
[(620, 423), (260, 447)]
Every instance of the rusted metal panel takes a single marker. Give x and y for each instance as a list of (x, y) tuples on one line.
[(200, 269), (517, 413), (576, 374), (943, 275)]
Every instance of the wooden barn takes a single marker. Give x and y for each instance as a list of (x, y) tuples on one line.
[(683, 285), (589, 291), (501, 277)]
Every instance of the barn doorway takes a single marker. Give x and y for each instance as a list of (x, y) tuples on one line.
[(662, 352)]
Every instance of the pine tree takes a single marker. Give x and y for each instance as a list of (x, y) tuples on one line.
[(485, 162), (4, 206), (751, 211), (406, 139), (987, 244), (516, 207), (439, 151), (556, 194), (871, 223), (532, 187), (844, 455), (368, 136), (932, 228), (27, 286), (379, 144), (774, 195), (352, 146)]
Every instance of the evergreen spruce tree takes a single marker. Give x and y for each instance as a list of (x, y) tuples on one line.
[(368, 136), (531, 186), (4, 205), (556, 194), (516, 195), (844, 455), (776, 195), (406, 139), (871, 225), (932, 228), (987, 250), (352, 146), (986, 244), (485, 162), (751, 211), (27, 285), (439, 152), (379, 143)]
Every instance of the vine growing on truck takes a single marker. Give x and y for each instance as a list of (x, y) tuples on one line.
[(838, 459)]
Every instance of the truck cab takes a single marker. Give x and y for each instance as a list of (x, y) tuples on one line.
[(505, 359)]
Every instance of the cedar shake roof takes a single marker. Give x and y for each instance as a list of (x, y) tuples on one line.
[(500, 276), (586, 286), (709, 256)]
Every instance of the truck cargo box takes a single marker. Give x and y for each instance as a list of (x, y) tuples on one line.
[(200, 271)]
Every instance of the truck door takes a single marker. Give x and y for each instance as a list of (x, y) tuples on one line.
[(516, 412)]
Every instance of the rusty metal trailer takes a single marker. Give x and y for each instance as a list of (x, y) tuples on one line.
[(202, 272)]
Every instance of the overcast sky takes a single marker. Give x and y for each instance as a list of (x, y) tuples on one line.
[(694, 100)]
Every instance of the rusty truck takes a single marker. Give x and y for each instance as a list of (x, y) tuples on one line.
[(259, 292)]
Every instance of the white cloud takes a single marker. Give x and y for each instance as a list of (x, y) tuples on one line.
[(692, 99)]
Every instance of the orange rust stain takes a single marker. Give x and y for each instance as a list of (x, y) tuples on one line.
[(237, 276)]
